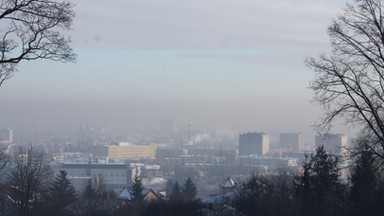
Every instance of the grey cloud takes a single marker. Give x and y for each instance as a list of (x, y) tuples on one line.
[(156, 24)]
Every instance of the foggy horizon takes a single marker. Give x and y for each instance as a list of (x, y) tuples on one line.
[(169, 107), (217, 64)]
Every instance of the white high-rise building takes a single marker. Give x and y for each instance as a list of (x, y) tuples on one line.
[(293, 142), (168, 126), (253, 143), (6, 135), (333, 143)]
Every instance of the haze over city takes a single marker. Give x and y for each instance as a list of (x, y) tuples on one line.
[(193, 108), (209, 64)]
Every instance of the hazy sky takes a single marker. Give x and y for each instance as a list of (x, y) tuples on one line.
[(209, 63)]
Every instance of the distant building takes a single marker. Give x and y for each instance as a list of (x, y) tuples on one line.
[(84, 133), (270, 162), (163, 153), (6, 136), (113, 175), (227, 185), (228, 155), (293, 142), (168, 126), (125, 150), (333, 143), (299, 156), (253, 143)]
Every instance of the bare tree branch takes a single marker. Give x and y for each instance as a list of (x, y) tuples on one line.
[(349, 83), (32, 30)]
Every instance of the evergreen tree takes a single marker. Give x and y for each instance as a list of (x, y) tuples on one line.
[(325, 180), (252, 196), (137, 190), (189, 190), (61, 194), (303, 188), (364, 185), (176, 194), (319, 189), (169, 187)]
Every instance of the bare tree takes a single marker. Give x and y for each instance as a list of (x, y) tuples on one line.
[(29, 174), (349, 83), (31, 30)]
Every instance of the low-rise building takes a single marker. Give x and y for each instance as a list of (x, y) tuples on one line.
[(270, 162), (113, 175)]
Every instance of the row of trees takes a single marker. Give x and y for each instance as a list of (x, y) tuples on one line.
[(320, 189), (180, 200), (186, 192)]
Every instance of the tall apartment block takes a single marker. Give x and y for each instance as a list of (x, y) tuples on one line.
[(293, 142), (253, 143), (168, 126), (333, 143), (6, 136)]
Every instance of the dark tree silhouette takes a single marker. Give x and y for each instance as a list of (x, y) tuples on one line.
[(176, 194), (364, 192), (181, 202), (189, 190), (252, 199), (169, 187), (265, 195), (319, 188), (31, 30), (282, 194), (61, 194), (349, 83), (303, 187), (175, 208), (137, 190)]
